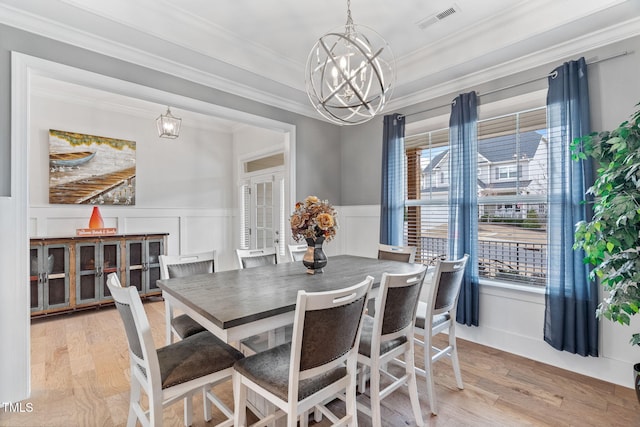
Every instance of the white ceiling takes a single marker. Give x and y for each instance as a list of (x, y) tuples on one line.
[(258, 48)]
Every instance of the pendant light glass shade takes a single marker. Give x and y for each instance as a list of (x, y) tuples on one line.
[(350, 74), (168, 125)]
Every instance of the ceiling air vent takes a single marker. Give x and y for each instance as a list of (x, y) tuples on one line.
[(427, 22)]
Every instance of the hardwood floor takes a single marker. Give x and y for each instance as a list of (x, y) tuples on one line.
[(80, 369)]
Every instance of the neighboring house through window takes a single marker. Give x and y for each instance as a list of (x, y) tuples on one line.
[(512, 189)]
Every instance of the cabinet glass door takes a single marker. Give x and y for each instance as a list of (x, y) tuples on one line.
[(110, 258), (87, 261), (135, 256), (35, 278), (55, 263), (155, 249)]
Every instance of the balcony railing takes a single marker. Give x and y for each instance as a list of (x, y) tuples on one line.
[(508, 261)]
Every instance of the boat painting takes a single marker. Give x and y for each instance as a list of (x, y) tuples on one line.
[(70, 159), (89, 169)]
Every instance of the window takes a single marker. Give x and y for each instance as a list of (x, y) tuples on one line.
[(512, 196), (507, 172)]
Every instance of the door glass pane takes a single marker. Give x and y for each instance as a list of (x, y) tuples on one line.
[(135, 279), (87, 258), (56, 291), (55, 260), (155, 250), (264, 214), (87, 287), (35, 300), (34, 267), (135, 253), (110, 258)]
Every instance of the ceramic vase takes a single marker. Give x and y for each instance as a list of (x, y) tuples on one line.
[(314, 258), (96, 220)]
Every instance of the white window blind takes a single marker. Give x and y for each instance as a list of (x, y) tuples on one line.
[(512, 196)]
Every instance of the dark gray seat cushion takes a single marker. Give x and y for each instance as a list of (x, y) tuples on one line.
[(194, 357), (437, 319), (185, 326), (367, 334), (270, 370)]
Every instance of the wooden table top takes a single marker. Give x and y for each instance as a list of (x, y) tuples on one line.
[(236, 297)]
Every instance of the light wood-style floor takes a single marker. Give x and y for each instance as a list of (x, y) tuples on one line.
[(80, 377)]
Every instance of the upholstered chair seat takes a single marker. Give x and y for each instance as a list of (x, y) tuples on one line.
[(366, 337), (184, 326), (271, 372), (195, 356)]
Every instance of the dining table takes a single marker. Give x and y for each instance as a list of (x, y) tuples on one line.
[(237, 304)]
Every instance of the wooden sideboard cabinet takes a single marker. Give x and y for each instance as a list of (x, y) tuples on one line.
[(70, 273)]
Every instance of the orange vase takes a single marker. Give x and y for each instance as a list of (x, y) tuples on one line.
[(96, 220)]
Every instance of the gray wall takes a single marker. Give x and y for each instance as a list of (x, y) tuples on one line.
[(317, 143), (614, 87)]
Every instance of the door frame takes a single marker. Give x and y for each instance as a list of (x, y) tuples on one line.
[(14, 210)]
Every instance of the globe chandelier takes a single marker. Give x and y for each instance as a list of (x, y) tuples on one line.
[(350, 74)]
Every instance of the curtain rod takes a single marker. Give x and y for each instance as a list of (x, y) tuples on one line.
[(520, 84)]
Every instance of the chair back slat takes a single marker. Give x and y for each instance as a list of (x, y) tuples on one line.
[(326, 328), (190, 268), (258, 261), (130, 328), (402, 299), (136, 325), (448, 279), (330, 333), (397, 253), (187, 264), (249, 258)]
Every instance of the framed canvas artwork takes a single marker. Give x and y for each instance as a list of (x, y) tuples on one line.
[(89, 169)]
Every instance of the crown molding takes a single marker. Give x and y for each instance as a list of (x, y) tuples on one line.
[(62, 33), (270, 92), (197, 35), (480, 39), (558, 53)]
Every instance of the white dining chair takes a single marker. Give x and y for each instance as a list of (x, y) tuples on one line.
[(296, 252), (318, 364), (436, 314), (171, 373), (172, 266), (388, 335)]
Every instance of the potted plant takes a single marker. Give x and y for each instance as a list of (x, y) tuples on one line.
[(611, 240)]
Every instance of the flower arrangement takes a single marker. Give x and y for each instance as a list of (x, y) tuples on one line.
[(313, 218)]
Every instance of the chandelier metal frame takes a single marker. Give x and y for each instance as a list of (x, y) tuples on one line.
[(350, 75)]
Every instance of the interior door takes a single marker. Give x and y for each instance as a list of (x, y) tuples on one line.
[(266, 210)]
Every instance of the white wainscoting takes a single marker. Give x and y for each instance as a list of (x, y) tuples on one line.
[(510, 319)]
